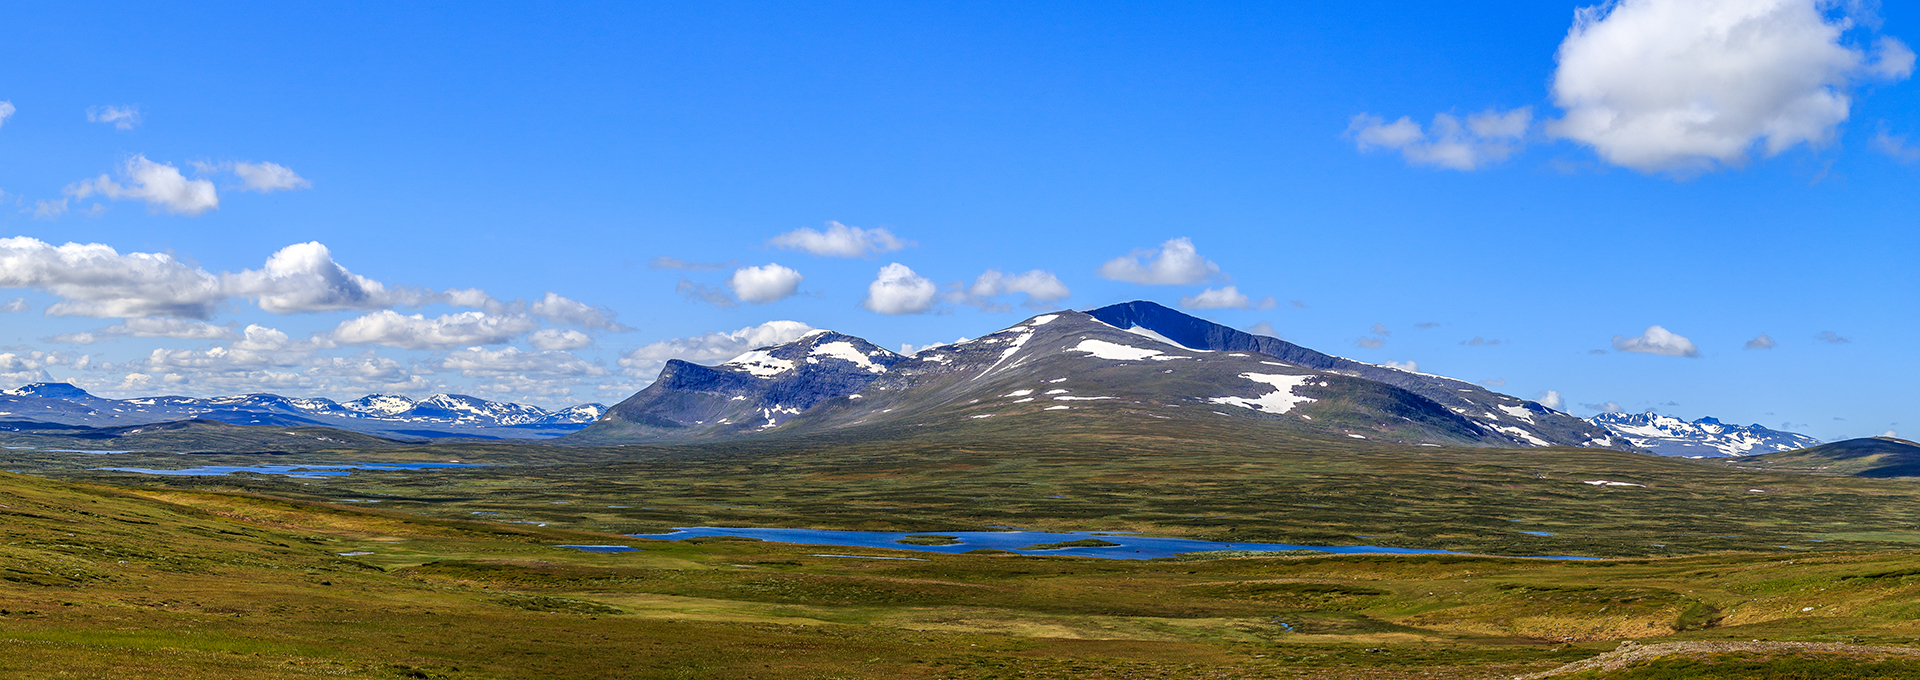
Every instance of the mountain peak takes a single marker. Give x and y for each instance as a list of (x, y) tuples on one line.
[(49, 391)]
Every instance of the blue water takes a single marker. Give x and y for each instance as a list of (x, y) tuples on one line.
[(295, 471), (601, 548), (1536, 533), (1130, 548)]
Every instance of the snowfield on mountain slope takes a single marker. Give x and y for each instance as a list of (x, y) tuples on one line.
[(1279, 401), (1670, 436), (845, 351), (1115, 351), (760, 363)]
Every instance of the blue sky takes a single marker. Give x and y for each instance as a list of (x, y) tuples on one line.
[(467, 161)]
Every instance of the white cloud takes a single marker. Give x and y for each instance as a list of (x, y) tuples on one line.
[(1692, 85), (1041, 287), (1657, 340), (95, 280), (1176, 262), (897, 290), (121, 117), (1764, 341), (1264, 328), (1370, 342), (1410, 366), (513, 374), (269, 177), (1483, 138), (49, 208), (159, 184), (840, 240), (6, 111), (764, 284), (28, 367), (304, 277), (1832, 338), (15, 305), (561, 310), (151, 327), (392, 329), (555, 339), (1889, 433), (1227, 297), (711, 347), (1552, 400)]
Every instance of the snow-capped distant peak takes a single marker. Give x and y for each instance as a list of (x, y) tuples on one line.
[(380, 404), (1670, 436)]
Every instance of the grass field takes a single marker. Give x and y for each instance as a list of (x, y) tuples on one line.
[(265, 576)]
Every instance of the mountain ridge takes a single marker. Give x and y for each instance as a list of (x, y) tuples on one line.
[(440, 415), (1135, 360), (1705, 437)]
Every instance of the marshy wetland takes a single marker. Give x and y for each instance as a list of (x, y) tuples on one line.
[(508, 569)]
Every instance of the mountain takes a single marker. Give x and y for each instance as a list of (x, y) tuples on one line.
[(752, 392), (1075, 369), (1864, 457), (386, 415), (1706, 437)]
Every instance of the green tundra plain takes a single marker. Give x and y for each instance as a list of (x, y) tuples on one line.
[(394, 574)]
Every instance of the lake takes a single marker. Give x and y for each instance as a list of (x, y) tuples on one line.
[(315, 471), (1129, 546)]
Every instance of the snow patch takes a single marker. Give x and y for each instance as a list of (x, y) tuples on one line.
[(760, 363), (1114, 351), (844, 351), (1603, 482), (1281, 400)]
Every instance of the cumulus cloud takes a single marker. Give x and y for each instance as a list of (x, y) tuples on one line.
[(304, 277), (1409, 366), (764, 284), (1041, 288), (1449, 142), (6, 111), (711, 347), (509, 371), (1552, 400), (839, 240), (120, 117), (558, 339), (897, 290), (674, 263), (1693, 85), (561, 310), (1764, 341), (151, 327), (1264, 328), (1174, 263), (268, 177), (1657, 340), (1831, 338), (1227, 297), (392, 329), (160, 185), (95, 280), (20, 368)]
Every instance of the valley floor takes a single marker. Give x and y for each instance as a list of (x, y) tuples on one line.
[(266, 576)]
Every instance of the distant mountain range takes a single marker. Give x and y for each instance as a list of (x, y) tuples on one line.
[(1122, 365), (1706, 437), (387, 415)]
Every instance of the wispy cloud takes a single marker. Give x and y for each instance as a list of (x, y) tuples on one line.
[(120, 117), (839, 240)]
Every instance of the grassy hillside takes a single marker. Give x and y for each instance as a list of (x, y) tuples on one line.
[(1864, 457), (187, 436)]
